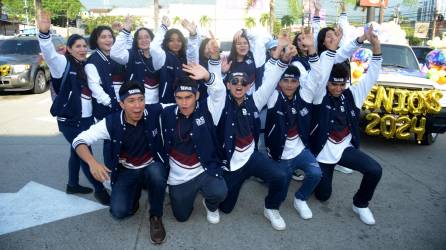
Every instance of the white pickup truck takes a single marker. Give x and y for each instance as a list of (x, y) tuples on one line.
[(403, 103)]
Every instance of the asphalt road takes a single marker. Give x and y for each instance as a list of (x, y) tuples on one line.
[(409, 204)]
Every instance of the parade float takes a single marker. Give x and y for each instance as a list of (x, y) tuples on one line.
[(408, 100)]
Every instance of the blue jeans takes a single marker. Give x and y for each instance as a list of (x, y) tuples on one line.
[(126, 190), (182, 196), (307, 163), (262, 167), (75, 163), (357, 160)]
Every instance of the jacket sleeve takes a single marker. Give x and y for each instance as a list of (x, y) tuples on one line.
[(362, 89), (273, 99), (326, 64), (347, 50), (193, 44), (316, 26), (94, 84), (216, 91), (56, 62), (119, 51), (257, 43), (310, 84), (343, 23), (157, 52), (95, 133), (273, 71)]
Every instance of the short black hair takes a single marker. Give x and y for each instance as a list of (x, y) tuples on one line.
[(340, 70), (96, 33), (185, 81), (129, 85)]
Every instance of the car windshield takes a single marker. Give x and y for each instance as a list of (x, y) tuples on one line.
[(23, 47), (398, 56), (421, 53)]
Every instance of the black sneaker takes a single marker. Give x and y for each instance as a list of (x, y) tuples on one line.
[(78, 190), (103, 197)]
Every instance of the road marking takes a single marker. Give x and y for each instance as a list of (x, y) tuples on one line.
[(46, 119), (36, 204)]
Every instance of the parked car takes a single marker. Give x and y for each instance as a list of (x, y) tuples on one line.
[(421, 52), (22, 66)]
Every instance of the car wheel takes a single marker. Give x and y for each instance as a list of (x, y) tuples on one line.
[(40, 83), (429, 138)]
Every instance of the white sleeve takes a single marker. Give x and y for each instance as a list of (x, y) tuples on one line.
[(303, 71), (362, 89), (193, 44), (94, 84), (119, 51), (216, 91), (316, 26), (156, 51), (326, 64), (129, 42), (343, 23), (347, 50), (95, 133), (273, 99), (273, 71), (257, 43), (56, 62), (310, 84)]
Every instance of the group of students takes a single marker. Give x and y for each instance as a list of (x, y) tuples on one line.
[(173, 114)]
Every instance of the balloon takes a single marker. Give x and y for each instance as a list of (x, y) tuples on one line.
[(370, 128), (436, 58), (369, 103), (357, 73), (388, 130), (432, 101), (382, 97), (418, 131), (401, 108), (442, 80), (401, 132), (415, 102), (362, 55)]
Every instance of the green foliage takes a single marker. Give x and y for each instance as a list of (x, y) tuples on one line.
[(295, 8), (205, 21), (176, 20), (277, 28), (264, 19), (250, 22), (92, 22), (287, 20)]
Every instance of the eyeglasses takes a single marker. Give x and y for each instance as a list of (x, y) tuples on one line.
[(235, 81)]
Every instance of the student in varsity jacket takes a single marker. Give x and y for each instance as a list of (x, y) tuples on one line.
[(168, 50), (335, 133), (72, 103), (189, 137), (238, 132), (288, 122), (137, 160), (138, 61)]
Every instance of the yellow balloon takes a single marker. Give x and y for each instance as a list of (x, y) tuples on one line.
[(369, 102), (432, 101), (415, 102), (402, 132), (388, 126), (383, 98), (401, 107), (420, 129), (357, 74), (370, 128)]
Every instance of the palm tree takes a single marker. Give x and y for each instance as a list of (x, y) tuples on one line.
[(250, 22), (287, 20), (176, 20), (264, 19), (205, 21)]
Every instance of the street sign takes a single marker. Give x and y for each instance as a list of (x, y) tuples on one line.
[(421, 30), (373, 3)]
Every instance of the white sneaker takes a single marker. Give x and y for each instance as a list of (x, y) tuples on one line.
[(365, 215), (302, 209), (274, 217), (297, 176), (343, 169), (213, 217)]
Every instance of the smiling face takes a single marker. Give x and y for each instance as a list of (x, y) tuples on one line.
[(105, 41), (133, 107), (242, 46), (143, 40), (174, 43), (79, 50), (238, 87)]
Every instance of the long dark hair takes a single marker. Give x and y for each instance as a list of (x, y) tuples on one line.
[(233, 54), (168, 35), (296, 37), (135, 37), (321, 38), (77, 65), (202, 57), (95, 35)]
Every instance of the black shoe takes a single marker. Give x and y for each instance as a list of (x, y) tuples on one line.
[(157, 231), (102, 197), (78, 189)]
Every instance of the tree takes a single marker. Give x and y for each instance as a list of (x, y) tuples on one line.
[(176, 20), (205, 21), (287, 20), (264, 19), (250, 22), (295, 8), (92, 22)]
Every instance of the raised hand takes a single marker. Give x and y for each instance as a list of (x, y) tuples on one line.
[(196, 71), (282, 43), (190, 26), (225, 65), (213, 48), (165, 21), (317, 7), (44, 21), (307, 40), (128, 23), (343, 7), (290, 52)]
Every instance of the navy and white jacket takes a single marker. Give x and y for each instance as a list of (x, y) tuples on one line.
[(138, 67), (169, 64), (113, 128), (239, 126), (73, 100), (336, 119), (105, 77), (201, 153), (288, 122)]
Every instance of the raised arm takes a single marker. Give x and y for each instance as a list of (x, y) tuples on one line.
[(316, 21), (257, 40), (343, 23), (193, 42), (157, 52), (119, 51)]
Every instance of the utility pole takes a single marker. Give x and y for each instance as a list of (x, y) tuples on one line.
[(272, 15), (434, 26), (381, 12), (156, 13), (370, 14)]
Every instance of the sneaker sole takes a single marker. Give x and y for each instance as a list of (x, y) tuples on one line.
[(275, 227), (212, 222), (357, 212)]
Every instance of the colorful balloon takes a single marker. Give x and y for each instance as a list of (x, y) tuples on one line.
[(362, 55), (436, 58)]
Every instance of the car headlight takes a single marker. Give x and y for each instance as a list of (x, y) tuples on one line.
[(19, 68)]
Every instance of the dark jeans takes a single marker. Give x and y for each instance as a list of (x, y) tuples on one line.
[(357, 160), (262, 167), (126, 190), (307, 163), (182, 196), (75, 163)]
